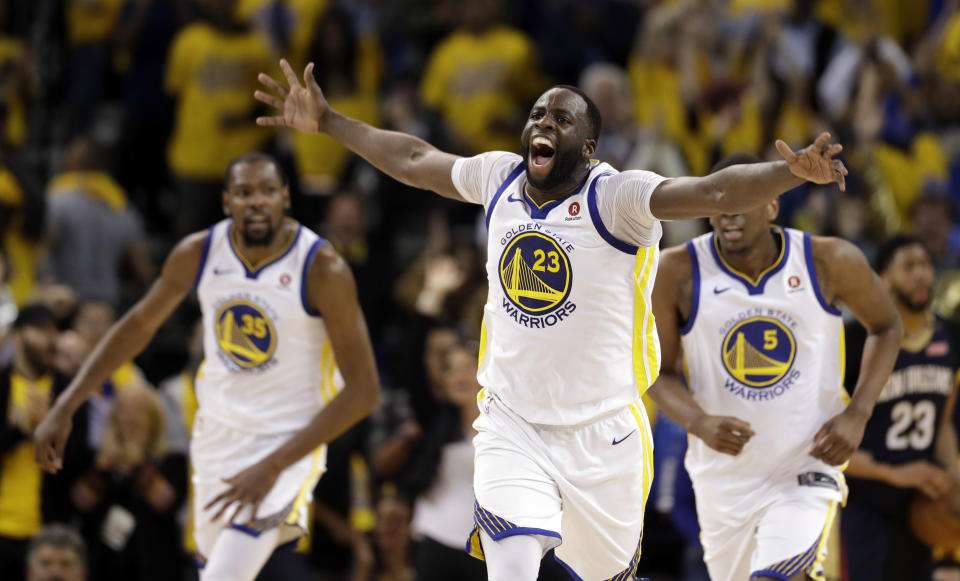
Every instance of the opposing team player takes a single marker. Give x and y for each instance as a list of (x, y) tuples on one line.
[(282, 332), (750, 311), (910, 442), (569, 343)]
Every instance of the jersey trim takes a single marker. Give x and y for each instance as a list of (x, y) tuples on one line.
[(252, 271), (496, 197), (646, 364), (695, 305), (754, 287), (203, 256), (808, 258), (598, 223), (307, 261), (538, 212)]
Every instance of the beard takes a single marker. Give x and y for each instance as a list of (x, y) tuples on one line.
[(912, 305), (39, 360), (564, 163), (262, 240)]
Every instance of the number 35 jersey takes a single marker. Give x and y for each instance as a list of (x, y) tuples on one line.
[(906, 418), (768, 352), (268, 365)]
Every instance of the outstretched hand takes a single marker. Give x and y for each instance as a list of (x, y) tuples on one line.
[(815, 162), (303, 107)]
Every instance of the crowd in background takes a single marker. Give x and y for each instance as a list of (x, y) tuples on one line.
[(118, 118)]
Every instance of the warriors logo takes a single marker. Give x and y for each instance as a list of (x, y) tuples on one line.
[(758, 352), (535, 273), (245, 334)]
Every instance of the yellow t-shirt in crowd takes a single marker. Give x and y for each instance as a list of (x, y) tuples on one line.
[(474, 81), (15, 127), (22, 254), (20, 476), (305, 15), (91, 21), (213, 74)]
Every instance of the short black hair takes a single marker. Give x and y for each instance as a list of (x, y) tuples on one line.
[(889, 249), (254, 157), (34, 315), (735, 159), (60, 536), (593, 112)]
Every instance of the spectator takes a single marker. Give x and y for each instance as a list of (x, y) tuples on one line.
[(16, 87), (27, 386), (56, 553), (440, 477), (130, 495), (933, 220), (90, 26), (389, 559), (212, 72), (93, 231), (21, 224), (486, 68)]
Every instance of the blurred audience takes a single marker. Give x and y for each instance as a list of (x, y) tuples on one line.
[(56, 553)]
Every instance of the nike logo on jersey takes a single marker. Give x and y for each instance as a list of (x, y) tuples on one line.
[(219, 271), (513, 198), (720, 291), (616, 441)]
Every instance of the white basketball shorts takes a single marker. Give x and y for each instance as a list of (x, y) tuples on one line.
[(580, 488), (782, 539), (218, 451)]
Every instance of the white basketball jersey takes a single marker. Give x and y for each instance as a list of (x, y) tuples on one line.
[(268, 364), (769, 352), (568, 330)]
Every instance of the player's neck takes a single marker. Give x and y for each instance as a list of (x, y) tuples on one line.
[(914, 322), (561, 191), (255, 253), (756, 258)]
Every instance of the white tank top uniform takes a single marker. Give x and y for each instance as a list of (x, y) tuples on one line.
[(268, 370), (769, 352), (568, 346)]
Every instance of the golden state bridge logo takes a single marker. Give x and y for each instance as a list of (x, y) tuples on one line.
[(759, 352), (536, 279), (245, 333)]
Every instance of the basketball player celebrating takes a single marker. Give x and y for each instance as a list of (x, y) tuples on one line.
[(749, 309), (280, 316), (568, 342), (910, 442)]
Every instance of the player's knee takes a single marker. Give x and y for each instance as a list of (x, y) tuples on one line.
[(515, 558)]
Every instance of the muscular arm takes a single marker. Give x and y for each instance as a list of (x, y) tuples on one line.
[(405, 158), (946, 453), (741, 188), (131, 334), (843, 273), (332, 291), (672, 303), (125, 339)]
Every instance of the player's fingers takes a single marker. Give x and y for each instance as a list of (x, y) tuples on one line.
[(832, 150), (253, 513), (218, 498), (271, 83), (785, 151), (820, 144), (236, 512), (289, 74), (271, 121), (223, 508), (268, 99)]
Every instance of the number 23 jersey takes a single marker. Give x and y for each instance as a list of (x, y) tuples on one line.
[(906, 418), (568, 331)]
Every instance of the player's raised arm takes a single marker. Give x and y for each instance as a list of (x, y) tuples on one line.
[(672, 299), (844, 273), (741, 188), (405, 158), (125, 339)]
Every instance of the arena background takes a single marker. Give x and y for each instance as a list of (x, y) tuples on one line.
[(118, 117)]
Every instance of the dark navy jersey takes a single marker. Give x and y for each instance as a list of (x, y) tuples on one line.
[(906, 418)]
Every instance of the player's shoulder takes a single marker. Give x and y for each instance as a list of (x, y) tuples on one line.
[(327, 264), (834, 249), (675, 266)]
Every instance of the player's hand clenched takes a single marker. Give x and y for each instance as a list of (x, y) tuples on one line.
[(248, 488), (722, 433), (839, 438), (302, 106)]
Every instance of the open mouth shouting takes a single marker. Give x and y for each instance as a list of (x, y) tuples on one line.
[(541, 156)]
